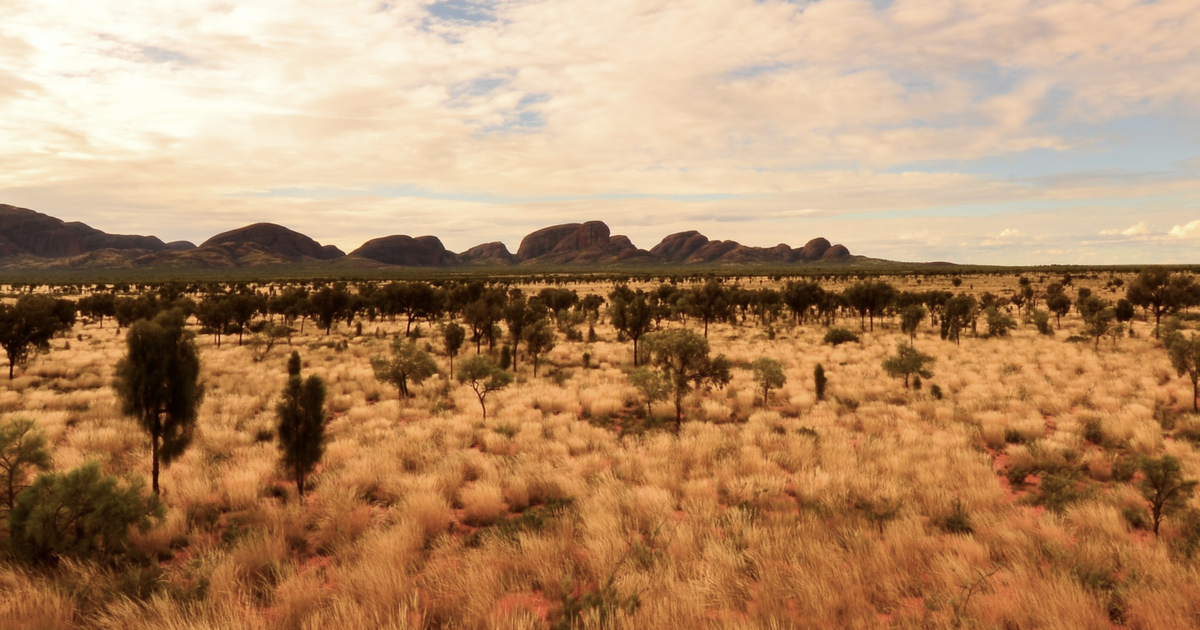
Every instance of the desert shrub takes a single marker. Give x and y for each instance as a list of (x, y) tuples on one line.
[(999, 323), (819, 381), (1041, 320), (957, 521), (22, 448), (838, 336), (79, 514), (1164, 487)]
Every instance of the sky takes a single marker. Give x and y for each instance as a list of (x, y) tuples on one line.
[(971, 131)]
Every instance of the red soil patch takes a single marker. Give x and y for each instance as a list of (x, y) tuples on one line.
[(532, 601)]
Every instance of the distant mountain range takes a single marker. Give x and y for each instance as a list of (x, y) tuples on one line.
[(32, 240)]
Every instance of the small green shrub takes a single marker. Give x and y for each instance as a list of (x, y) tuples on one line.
[(838, 336)]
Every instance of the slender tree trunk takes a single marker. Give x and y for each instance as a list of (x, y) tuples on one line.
[(154, 435), (299, 482), (635, 357)]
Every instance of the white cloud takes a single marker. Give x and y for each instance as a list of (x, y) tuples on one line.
[(1185, 231)]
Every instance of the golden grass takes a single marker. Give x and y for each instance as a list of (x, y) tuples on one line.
[(423, 514)]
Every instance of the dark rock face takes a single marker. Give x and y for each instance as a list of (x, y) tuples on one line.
[(24, 231), (589, 242), (678, 247), (423, 251), (180, 246), (488, 253), (836, 252), (814, 249), (277, 240)]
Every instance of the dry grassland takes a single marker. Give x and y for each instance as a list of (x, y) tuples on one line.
[(799, 514)]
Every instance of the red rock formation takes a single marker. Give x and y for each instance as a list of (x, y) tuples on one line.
[(276, 240), (24, 231), (423, 251)]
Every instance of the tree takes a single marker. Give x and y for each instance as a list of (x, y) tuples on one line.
[(453, 336), (870, 298), (244, 306), (483, 377), (158, 382), (910, 319), (329, 305), (633, 317), (262, 343), (539, 339), (1163, 487), (819, 381), (709, 302), (908, 361), (1154, 291), (801, 297), (216, 314), (683, 357), (1099, 322), (1185, 357), (79, 514), (958, 313), (651, 383), (517, 315), (768, 374), (999, 323), (302, 419), (294, 364), (22, 447), (1057, 302), (408, 362), (29, 325)]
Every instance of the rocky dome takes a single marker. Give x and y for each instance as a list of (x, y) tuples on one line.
[(574, 243), (24, 231), (423, 251), (275, 239), (678, 247), (488, 253)]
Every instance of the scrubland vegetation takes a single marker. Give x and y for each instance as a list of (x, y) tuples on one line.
[(980, 456)]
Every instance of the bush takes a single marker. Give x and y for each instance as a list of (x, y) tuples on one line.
[(958, 521), (79, 514), (838, 336), (1041, 319)]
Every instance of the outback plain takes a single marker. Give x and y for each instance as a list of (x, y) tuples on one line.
[(999, 483)]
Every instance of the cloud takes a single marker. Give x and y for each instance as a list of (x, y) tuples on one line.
[(771, 111), (1139, 229), (1185, 231)]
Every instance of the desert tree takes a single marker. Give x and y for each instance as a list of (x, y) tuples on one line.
[(79, 514), (957, 314), (1124, 312), (801, 298), (158, 382), (632, 316), (819, 382), (683, 358), (1184, 353), (216, 314), (539, 339), (768, 375), (652, 385), (1100, 322), (329, 304), (708, 302), (22, 449), (999, 323), (261, 343), (1156, 291), (910, 318), (29, 325), (483, 378), (908, 361), (302, 419), (453, 337), (408, 362), (1057, 302), (1163, 487), (870, 298), (517, 315)]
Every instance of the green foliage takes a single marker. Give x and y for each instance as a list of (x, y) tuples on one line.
[(819, 381), (838, 336), (1041, 320), (631, 317), (1163, 487), (453, 337), (483, 377), (768, 374), (302, 419), (294, 364), (908, 361), (652, 385), (539, 339), (683, 357), (958, 314), (22, 447), (1184, 353), (999, 323), (957, 521), (408, 362), (79, 514), (158, 382), (910, 319), (29, 325), (935, 391)]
